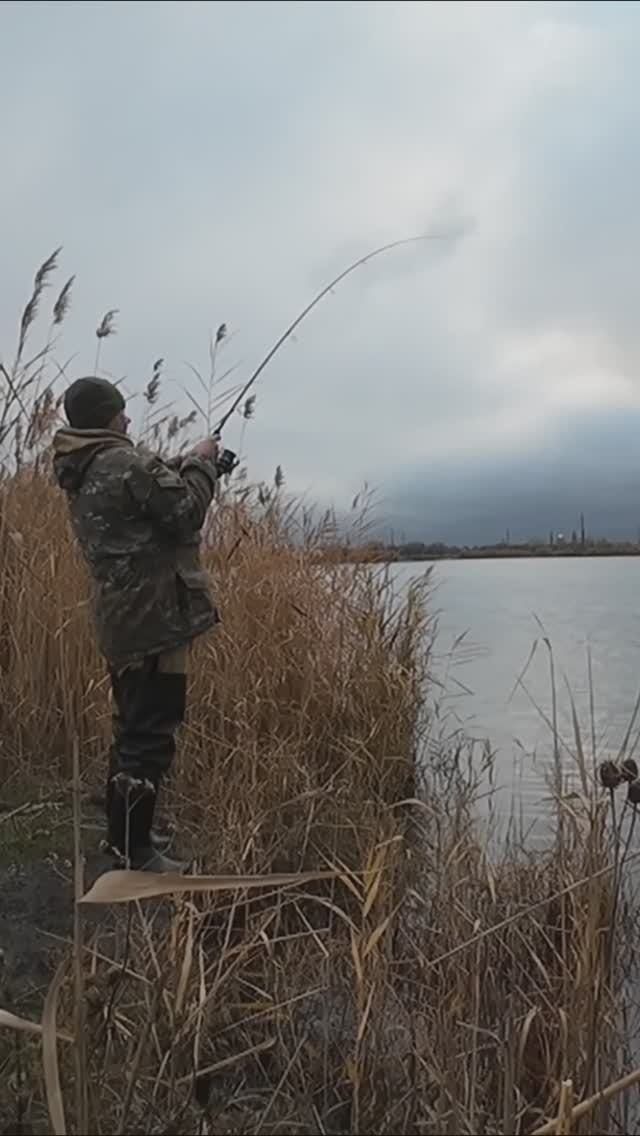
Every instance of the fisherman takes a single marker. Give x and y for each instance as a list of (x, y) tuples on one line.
[(137, 520)]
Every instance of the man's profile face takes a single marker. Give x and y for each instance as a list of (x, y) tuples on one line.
[(120, 424)]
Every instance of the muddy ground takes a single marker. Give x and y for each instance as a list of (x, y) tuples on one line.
[(36, 895)]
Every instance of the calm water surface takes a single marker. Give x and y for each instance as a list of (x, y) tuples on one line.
[(584, 605)]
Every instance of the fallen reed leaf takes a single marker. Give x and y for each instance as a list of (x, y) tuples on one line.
[(55, 1101), (125, 887)]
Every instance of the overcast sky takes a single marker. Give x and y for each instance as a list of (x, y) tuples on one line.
[(209, 162)]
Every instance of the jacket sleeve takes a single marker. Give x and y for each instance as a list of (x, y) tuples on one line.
[(176, 501), (175, 463)]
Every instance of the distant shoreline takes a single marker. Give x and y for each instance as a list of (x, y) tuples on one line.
[(410, 554), (516, 554)]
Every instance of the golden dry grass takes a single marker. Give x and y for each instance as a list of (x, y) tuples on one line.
[(435, 983)]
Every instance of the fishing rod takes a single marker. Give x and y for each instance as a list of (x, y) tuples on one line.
[(305, 312)]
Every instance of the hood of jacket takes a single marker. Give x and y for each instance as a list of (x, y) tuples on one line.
[(74, 451)]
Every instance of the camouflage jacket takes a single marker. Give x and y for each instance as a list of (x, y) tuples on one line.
[(138, 523)]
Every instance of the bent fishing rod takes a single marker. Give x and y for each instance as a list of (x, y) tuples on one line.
[(306, 311)]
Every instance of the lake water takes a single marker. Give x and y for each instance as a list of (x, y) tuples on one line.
[(584, 605)]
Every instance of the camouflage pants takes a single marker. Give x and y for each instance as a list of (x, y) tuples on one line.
[(149, 702)]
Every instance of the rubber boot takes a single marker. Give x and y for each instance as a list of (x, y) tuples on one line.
[(160, 842), (150, 860), (143, 856), (131, 803)]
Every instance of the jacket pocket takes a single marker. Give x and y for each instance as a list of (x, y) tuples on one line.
[(194, 600)]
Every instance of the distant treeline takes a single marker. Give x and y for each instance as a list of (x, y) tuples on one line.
[(378, 552)]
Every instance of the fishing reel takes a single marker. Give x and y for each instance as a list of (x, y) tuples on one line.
[(226, 462)]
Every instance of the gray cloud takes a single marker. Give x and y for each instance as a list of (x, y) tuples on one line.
[(208, 162)]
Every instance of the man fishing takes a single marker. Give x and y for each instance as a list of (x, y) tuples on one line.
[(138, 521)]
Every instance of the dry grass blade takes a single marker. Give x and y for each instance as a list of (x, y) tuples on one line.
[(362, 1024), (229, 1062), (24, 1025), (587, 1106), (522, 675), (81, 1078), (565, 1109), (15, 395), (518, 915), (278, 1088), (376, 935), (55, 1101), (125, 887), (187, 962), (577, 735), (138, 1055)]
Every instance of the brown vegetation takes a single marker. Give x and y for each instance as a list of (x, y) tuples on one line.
[(434, 983)]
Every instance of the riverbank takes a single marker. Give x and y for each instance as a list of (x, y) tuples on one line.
[(409, 554)]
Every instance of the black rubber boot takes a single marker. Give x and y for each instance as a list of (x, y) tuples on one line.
[(116, 816), (131, 803)]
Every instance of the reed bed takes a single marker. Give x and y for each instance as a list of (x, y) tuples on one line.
[(410, 974)]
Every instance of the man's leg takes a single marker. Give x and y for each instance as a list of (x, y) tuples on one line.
[(158, 840), (149, 705), (116, 729)]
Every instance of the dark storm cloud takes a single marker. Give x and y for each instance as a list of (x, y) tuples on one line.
[(590, 465)]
